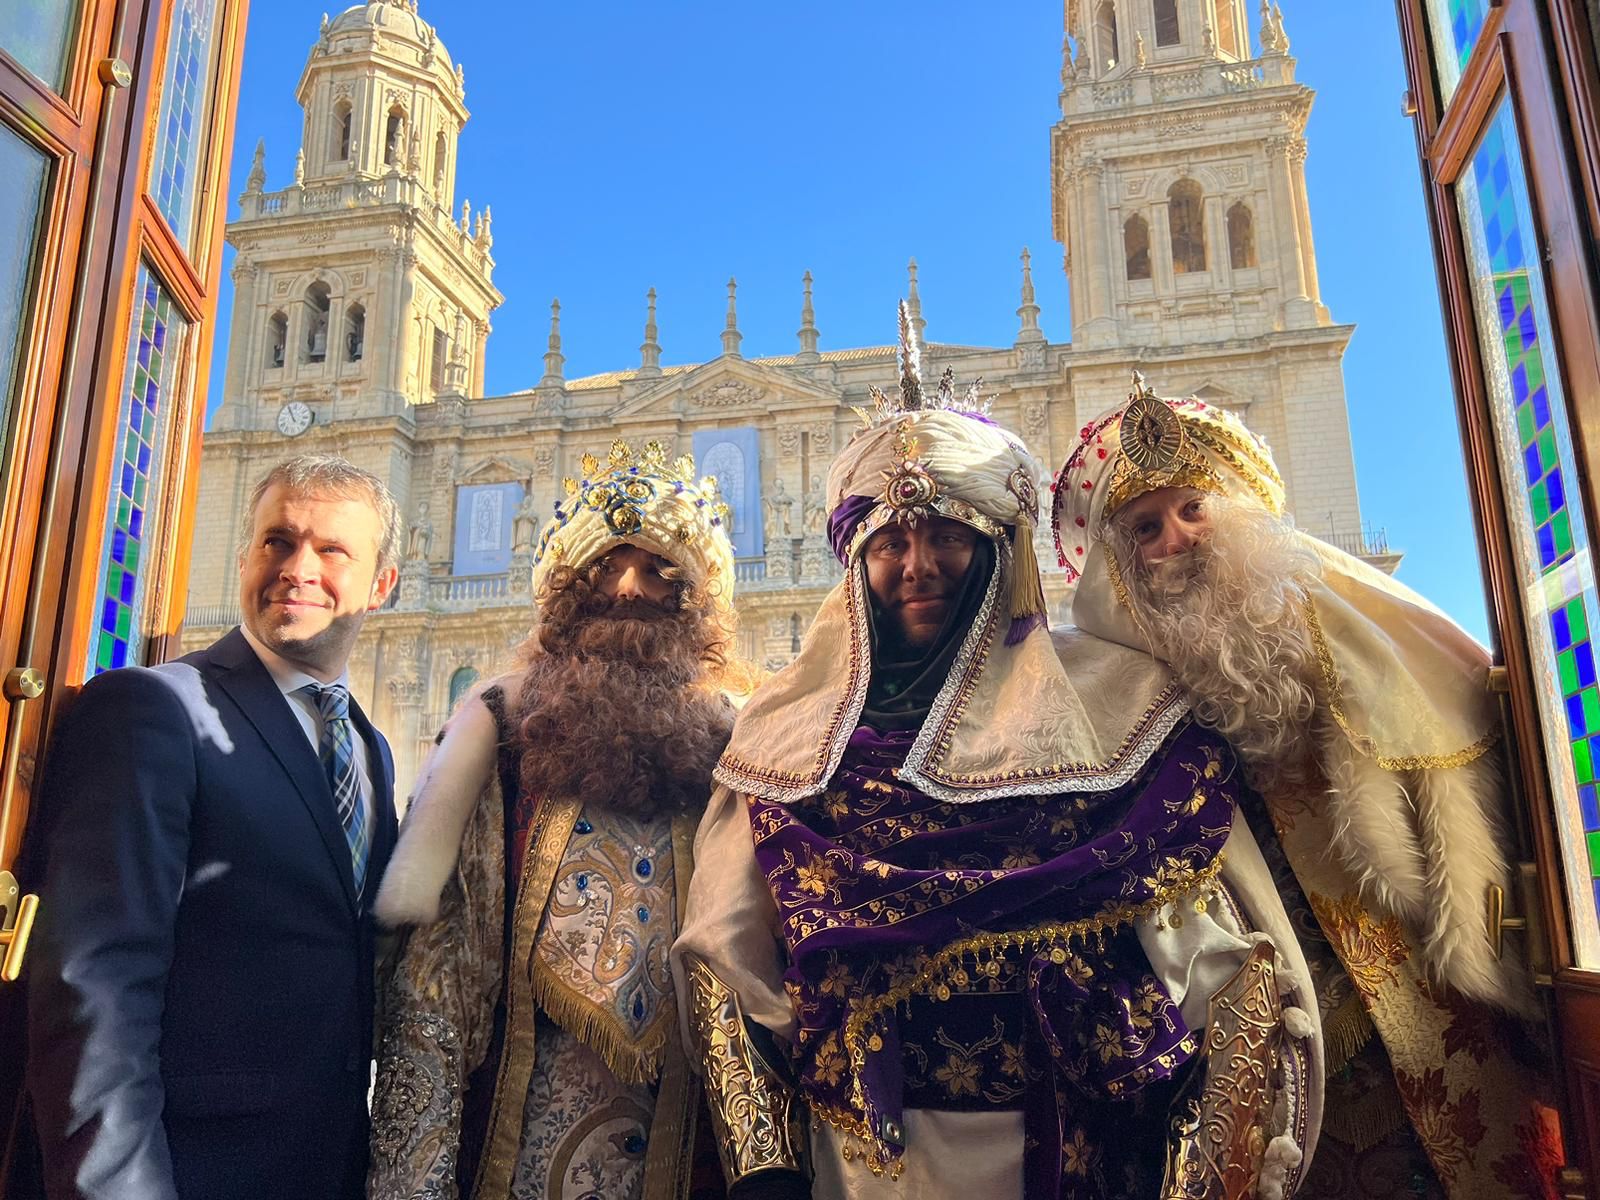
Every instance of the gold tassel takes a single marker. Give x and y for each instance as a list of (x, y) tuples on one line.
[(1027, 588)]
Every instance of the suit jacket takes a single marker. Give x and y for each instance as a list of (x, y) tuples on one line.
[(201, 979)]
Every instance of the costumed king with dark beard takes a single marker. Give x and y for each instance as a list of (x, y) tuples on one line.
[(530, 1044), (981, 888)]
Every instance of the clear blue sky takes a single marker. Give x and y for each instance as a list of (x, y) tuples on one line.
[(629, 145)]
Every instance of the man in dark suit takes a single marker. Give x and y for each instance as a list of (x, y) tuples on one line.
[(201, 991)]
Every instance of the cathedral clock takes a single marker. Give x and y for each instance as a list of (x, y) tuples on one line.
[(294, 418)]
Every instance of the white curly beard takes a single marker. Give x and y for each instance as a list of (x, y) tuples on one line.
[(1227, 617)]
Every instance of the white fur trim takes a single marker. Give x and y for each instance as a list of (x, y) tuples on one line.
[(453, 780), (1425, 846), (1281, 1157), (1374, 835), (1462, 843)]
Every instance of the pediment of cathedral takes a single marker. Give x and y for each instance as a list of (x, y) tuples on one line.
[(496, 468), (727, 385), (1219, 395)]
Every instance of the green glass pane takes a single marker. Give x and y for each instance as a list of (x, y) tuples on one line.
[(1594, 854), (1568, 672), (24, 175), (1591, 709), (1561, 530), (1577, 621), (1525, 427), (38, 34), (1547, 448), (1539, 500), (1582, 765)]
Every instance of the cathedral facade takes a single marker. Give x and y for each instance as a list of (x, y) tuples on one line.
[(363, 299)]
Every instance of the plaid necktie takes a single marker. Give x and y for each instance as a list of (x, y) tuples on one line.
[(337, 750)]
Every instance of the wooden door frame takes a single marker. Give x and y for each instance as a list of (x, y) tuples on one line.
[(1556, 131), (64, 569)]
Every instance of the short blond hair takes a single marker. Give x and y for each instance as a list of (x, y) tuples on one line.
[(330, 474)]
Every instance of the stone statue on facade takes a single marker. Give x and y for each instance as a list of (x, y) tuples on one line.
[(815, 512), (420, 539), (779, 506), (524, 526)]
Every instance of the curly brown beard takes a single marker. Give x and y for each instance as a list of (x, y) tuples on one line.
[(619, 703)]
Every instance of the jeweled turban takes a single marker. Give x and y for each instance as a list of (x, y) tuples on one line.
[(924, 454), (1148, 443)]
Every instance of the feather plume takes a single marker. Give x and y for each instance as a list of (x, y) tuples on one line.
[(910, 364)]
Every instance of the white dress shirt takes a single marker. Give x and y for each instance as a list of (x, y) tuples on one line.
[(290, 679)]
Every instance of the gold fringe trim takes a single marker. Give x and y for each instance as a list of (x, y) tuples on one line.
[(1366, 1121), (632, 1059), (1056, 937), (1363, 743), (1345, 1031)]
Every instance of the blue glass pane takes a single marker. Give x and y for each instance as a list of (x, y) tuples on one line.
[(142, 420), (1538, 470), (181, 123)]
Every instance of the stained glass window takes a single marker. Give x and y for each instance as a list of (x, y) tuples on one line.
[(1456, 25), (156, 340), (1539, 472), (181, 125)]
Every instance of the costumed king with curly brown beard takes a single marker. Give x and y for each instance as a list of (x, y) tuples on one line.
[(529, 1044)]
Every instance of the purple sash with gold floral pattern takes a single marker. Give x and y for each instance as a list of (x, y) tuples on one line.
[(893, 904)]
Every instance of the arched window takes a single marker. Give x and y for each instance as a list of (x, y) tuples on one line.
[(1185, 214), (355, 332), (317, 322), (1167, 31), (440, 150), (460, 684), (341, 131), (394, 136), (1105, 33), (1241, 237), (277, 338), (1136, 246)]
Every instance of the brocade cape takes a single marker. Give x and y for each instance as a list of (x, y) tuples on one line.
[(439, 1017)]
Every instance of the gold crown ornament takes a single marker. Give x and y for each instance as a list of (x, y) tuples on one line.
[(643, 500)]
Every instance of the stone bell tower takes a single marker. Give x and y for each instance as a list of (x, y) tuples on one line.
[(1179, 194), (358, 291), (1178, 174)]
